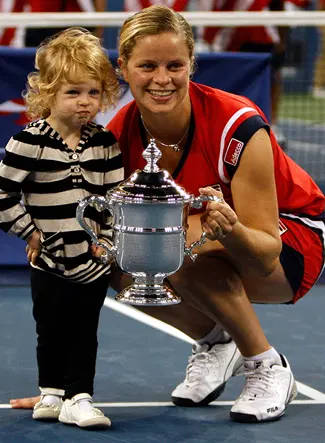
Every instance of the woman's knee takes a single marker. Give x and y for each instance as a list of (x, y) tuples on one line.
[(210, 275)]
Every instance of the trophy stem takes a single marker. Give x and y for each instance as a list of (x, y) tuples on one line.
[(148, 291)]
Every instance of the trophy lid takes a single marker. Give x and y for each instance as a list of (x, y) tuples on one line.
[(151, 184)]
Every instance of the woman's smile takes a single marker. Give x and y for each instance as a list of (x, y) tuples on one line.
[(161, 96), (158, 72)]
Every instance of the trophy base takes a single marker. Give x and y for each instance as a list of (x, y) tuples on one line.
[(148, 295)]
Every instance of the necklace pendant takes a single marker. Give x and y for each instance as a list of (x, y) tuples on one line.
[(174, 146)]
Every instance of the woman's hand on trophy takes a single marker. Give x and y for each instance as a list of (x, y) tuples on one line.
[(33, 247), (219, 218)]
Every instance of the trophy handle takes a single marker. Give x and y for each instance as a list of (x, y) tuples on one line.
[(196, 244), (100, 203), (197, 204)]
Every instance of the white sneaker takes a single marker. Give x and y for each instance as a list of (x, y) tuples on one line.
[(207, 373), (46, 412), (49, 406), (83, 413), (267, 391)]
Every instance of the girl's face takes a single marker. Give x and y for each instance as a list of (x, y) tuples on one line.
[(76, 103), (158, 73)]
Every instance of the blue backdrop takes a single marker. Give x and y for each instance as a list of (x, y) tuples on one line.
[(244, 74)]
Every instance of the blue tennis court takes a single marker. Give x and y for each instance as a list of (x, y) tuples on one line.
[(141, 361)]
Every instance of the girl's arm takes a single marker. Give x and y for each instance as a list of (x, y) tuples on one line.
[(14, 169)]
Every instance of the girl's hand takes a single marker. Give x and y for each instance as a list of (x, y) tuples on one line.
[(219, 218), (33, 247), (99, 253)]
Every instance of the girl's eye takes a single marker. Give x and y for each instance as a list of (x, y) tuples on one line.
[(94, 92), (72, 92)]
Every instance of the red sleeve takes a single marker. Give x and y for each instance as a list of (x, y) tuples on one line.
[(117, 124)]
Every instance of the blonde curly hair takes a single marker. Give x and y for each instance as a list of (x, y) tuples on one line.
[(70, 55)]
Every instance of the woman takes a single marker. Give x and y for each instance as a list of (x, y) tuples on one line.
[(210, 137)]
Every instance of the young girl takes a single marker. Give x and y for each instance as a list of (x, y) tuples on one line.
[(57, 160)]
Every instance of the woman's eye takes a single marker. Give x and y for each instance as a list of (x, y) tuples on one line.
[(147, 66), (175, 66)]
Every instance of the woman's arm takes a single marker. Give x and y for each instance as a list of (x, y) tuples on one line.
[(251, 234)]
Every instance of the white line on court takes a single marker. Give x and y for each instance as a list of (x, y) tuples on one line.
[(150, 404), (310, 392), (316, 397), (129, 311)]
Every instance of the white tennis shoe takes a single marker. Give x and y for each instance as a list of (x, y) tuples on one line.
[(49, 406), (82, 413), (268, 389), (45, 411), (208, 370)]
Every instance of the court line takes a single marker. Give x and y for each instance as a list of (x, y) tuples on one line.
[(214, 403), (129, 311), (310, 392), (317, 397), (150, 404)]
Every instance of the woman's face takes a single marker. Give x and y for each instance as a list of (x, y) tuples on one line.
[(158, 72)]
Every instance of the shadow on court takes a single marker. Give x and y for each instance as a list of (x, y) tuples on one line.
[(139, 364)]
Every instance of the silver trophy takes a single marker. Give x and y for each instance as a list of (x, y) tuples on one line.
[(149, 230)]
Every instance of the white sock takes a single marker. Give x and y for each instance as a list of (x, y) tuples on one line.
[(216, 335), (270, 354)]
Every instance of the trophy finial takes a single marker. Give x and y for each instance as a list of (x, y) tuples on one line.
[(151, 154)]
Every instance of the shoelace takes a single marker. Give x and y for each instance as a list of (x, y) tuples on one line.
[(197, 367), (198, 362), (258, 381)]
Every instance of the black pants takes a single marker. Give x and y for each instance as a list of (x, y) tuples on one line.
[(67, 315)]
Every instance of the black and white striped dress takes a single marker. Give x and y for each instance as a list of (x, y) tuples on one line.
[(41, 182)]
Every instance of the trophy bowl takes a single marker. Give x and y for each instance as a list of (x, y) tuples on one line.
[(150, 214)]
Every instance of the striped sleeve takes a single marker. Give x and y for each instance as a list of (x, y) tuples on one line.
[(14, 169)]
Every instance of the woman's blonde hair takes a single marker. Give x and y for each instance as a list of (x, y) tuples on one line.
[(68, 56), (152, 21)]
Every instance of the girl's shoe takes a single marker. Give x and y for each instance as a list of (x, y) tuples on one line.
[(81, 412)]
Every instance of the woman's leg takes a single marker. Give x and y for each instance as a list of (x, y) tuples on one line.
[(212, 291), (183, 316), (213, 287)]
